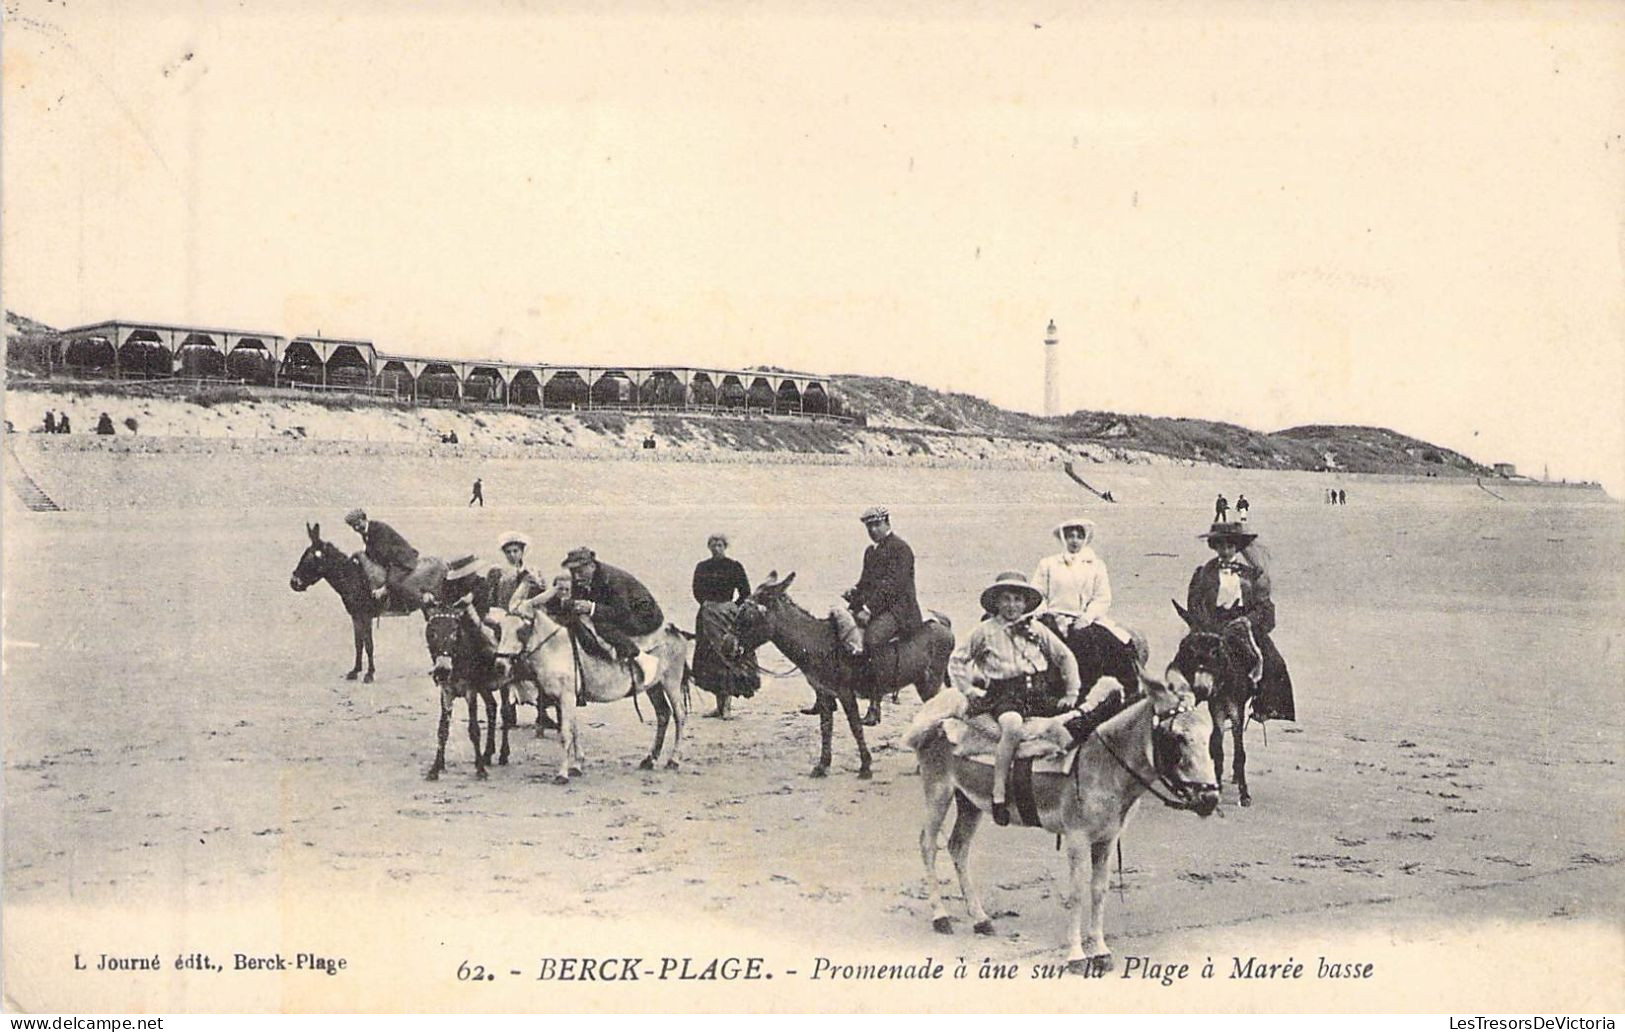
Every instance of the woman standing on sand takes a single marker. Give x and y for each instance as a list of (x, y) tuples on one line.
[(720, 584)]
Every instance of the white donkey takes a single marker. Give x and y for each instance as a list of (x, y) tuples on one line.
[(564, 671), (1160, 739)]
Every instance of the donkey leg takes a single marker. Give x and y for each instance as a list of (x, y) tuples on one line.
[(849, 705), (966, 820), (1098, 954), (657, 698), (471, 699), (679, 715), (1078, 858), (1215, 743), (568, 732), (826, 728), (445, 726), (939, 791), (1240, 768), (490, 726), (366, 643), (508, 705), (355, 633)]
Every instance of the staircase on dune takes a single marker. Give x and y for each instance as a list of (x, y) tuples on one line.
[(31, 494)]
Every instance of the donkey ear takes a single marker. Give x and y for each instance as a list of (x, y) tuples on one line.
[(1184, 614), (315, 532), (786, 582)]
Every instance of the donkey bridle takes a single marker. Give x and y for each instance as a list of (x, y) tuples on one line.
[(1163, 760)]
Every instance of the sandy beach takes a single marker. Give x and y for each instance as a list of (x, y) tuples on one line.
[(186, 769)]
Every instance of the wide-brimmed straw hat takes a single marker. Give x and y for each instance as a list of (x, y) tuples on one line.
[(875, 513), (1077, 521), (512, 537), (1236, 532), (1010, 580), (579, 557)]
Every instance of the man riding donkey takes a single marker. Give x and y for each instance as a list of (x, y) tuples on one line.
[(618, 607), (410, 580), (1021, 681), (883, 604), (1229, 595)]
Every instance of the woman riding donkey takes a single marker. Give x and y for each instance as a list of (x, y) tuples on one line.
[(1020, 677), (1077, 599), (1229, 595)]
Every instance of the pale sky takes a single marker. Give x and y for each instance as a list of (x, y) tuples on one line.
[(1405, 215)]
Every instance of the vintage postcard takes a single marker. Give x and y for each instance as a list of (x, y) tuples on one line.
[(938, 507)]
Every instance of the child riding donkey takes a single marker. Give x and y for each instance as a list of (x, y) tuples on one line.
[(1020, 677)]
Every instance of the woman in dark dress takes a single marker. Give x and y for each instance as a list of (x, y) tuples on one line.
[(720, 585)]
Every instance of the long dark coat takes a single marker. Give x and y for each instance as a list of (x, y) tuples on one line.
[(887, 584), (621, 602), (387, 548), (1275, 687)]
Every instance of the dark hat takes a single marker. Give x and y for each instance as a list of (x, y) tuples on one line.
[(1236, 532), (579, 557), (1008, 581), (355, 516)]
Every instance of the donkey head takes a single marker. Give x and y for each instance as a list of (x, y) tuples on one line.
[(754, 625), (314, 563), (1179, 743)]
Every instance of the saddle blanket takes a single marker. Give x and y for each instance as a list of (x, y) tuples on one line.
[(1045, 742), (1045, 739)]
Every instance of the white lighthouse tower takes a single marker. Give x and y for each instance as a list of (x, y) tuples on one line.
[(1052, 377)]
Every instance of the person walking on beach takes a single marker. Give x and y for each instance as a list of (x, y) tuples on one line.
[(479, 494), (1241, 507), (50, 421), (1221, 506), (1342, 497), (62, 425)]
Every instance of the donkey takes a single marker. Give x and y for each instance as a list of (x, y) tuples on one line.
[(324, 561), (1238, 664), (811, 643), (566, 674), (1156, 740), (465, 668)]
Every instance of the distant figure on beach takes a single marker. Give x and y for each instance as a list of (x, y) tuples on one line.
[(50, 421), (449, 438), (1342, 497), (479, 494), (63, 426), (1221, 507), (104, 425), (1242, 506)]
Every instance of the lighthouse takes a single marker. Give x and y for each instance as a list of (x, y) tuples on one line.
[(1052, 379)]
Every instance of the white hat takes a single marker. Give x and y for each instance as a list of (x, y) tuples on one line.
[(875, 513), (512, 537), (1088, 526)]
